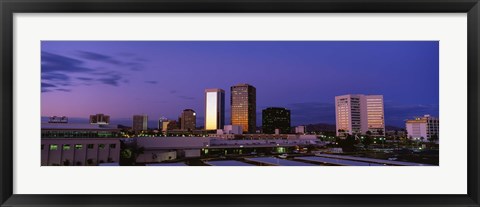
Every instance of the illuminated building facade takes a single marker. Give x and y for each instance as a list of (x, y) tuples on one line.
[(358, 114), (276, 118), (160, 122), (243, 107), (426, 127), (140, 123), (375, 114), (188, 119), (214, 109)]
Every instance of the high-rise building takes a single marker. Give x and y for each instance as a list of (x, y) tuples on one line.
[(243, 107), (359, 114), (100, 119), (140, 123), (214, 109), (375, 114), (426, 127), (188, 119), (276, 118)]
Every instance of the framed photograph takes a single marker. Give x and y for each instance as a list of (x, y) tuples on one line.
[(239, 103)]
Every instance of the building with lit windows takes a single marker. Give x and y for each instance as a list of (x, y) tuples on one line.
[(375, 114), (169, 125), (243, 107), (70, 130), (359, 114), (140, 123), (426, 127), (160, 122), (214, 109), (276, 118), (79, 151), (99, 119), (188, 120)]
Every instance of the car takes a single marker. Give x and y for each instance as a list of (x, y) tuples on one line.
[(283, 156), (392, 158)]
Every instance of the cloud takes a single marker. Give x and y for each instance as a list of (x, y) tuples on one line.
[(112, 80), (98, 57), (48, 85), (64, 90), (151, 82), (53, 63), (55, 76), (61, 71), (134, 66), (85, 79)]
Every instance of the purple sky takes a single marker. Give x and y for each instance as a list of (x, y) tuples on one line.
[(161, 78)]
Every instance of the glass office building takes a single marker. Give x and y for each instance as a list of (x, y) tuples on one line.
[(214, 109)]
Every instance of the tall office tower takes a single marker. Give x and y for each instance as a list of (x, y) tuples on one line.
[(140, 123), (188, 119), (243, 106), (426, 127), (375, 114), (358, 113), (275, 118), (100, 119), (214, 109)]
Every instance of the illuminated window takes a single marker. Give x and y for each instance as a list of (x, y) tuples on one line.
[(53, 147), (66, 147), (78, 146)]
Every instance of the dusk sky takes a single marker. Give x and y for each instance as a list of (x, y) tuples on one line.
[(161, 78)]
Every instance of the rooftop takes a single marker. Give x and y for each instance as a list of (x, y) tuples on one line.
[(78, 126)]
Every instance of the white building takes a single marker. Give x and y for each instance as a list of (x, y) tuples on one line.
[(214, 109), (358, 113), (232, 129), (300, 130), (426, 127), (79, 151), (158, 149)]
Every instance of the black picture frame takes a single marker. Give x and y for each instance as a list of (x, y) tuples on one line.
[(10, 7)]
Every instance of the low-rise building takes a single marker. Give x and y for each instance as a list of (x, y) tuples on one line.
[(300, 130), (79, 151), (70, 130), (100, 119), (426, 127)]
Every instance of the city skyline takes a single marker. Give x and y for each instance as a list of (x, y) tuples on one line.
[(310, 74)]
